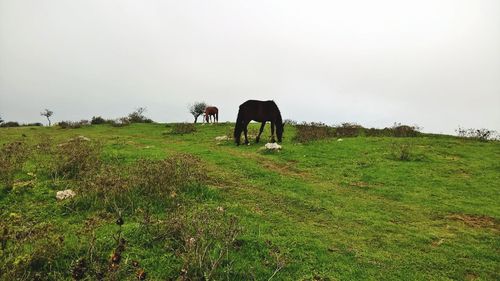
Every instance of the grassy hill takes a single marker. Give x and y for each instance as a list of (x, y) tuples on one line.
[(325, 210)]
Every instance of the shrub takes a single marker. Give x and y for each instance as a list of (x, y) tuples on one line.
[(97, 120), (405, 130), (75, 157), (183, 128), (10, 124), (478, 134), (290, 122), (36, 124), (12, 158), (373, 132), (108, 187), (307, 132), (73, 124), (348, 130), (138, 116)]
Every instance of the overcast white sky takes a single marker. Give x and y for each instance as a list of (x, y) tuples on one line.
[(435, 63)]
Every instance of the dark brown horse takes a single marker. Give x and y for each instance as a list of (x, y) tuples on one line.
[(260, 111), (211, 111)]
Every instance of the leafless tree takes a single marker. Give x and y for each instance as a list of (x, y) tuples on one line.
[(47, 113), (197, 109)]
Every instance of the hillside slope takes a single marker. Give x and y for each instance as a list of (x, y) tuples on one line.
[(327, 210)]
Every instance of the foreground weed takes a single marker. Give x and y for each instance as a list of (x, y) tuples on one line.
[(12, 158)]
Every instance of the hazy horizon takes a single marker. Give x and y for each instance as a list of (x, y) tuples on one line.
[(431, 63)]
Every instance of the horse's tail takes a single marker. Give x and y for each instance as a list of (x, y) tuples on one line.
[(238, 128)]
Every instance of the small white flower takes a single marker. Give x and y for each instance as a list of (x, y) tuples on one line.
[(191, 241)]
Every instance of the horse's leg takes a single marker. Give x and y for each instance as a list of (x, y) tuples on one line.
[(245, 130), (260, 131), (272, 132)]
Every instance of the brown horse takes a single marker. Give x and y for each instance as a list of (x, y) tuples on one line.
[(211, 111)]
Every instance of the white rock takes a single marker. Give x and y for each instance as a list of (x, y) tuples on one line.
[(272, 146), (65, 194), (83, 138), (221, 138)]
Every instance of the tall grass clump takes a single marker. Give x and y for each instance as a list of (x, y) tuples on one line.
[(401, 151)]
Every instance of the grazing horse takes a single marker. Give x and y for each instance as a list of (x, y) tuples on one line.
[(260, 111), (211, 111)]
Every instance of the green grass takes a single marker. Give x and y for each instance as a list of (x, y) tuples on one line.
[(346, 210)]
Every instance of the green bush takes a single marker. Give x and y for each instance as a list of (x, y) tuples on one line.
[(9, 124), (97, 120), (401, 152)]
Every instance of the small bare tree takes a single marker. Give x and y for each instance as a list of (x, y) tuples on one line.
[(47, 113), (138, 116), (1, 120), (197, 109)]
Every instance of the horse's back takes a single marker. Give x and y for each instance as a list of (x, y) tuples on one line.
[(259, 111), (258, 103)]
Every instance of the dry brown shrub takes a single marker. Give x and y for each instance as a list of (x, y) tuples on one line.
[(75, 157)]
